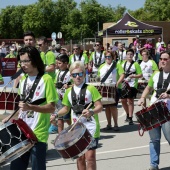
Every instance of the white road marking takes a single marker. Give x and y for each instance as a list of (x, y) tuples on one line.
[(127, 149)]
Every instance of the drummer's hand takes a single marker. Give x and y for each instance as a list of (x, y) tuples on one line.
[(52, 117), (24, 106), (86, 113), (141, 101), (164, 96), (65, 86), (5, 120), (131, 76)]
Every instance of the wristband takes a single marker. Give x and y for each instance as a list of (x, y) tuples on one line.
[(91, 111)]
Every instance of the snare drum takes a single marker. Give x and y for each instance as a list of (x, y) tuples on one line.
[(9, 99), (73, 144), (16, 139), (125, 89), (141, 86), (107, 91), (153, 116)]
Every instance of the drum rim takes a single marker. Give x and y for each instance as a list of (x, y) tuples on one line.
[(83, 152), (5, 125), (101, 84), (73, 142), (8, 89), (26, 143)]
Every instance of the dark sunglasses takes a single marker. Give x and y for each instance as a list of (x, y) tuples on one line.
[(39, 45), (97, 45), (75, 48), (108, 57), (77, 74), (164, 59)]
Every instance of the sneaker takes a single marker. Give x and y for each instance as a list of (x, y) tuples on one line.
[(127, 119), (116, 128), (108, 127), (152, 168), (131, 122), (53, 129)]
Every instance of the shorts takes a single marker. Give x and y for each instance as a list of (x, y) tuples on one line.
[(95, 144), (66, 117), (118, 93), (131, 95)]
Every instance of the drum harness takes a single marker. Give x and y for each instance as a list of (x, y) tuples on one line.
[(60, 79), (80, 56), (108, 72), (127, 73), (97, 64), (162, 84), (27, 99), (78, 103)]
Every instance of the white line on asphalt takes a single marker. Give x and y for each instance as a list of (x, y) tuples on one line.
[(118, 117), (127, 149)]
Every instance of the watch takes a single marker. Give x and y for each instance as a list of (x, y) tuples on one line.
[(91, 111)]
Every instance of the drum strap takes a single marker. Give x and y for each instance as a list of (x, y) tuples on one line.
[(35, 84), (95, 58), (79, 57), (81, 98), (127, 73), (108, 72), (163, 84), (79, 104), (120, 56), (62, 77)]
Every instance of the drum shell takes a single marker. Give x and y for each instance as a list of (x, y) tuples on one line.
[(153, 116), (14, 140), (107, 91), (9, 100), (76, 148)]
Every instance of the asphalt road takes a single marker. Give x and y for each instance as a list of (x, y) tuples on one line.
[(122, 150)]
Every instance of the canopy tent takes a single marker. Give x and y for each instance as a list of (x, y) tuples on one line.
[(129, 26)]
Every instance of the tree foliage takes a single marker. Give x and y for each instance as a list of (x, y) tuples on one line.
[(75, 22)]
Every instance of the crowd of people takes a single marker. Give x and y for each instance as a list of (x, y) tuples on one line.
[(66, 82)]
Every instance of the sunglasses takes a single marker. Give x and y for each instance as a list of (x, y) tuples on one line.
[(77, 74), (97, 45), (39, 45), (164, 59), (75, 48), (108, 57)]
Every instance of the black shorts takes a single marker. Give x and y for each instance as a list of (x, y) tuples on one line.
[(131, 95)]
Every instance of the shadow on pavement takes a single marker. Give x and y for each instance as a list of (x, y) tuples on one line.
[(166, 168), (52, 154), (128, 128), (106, 137)]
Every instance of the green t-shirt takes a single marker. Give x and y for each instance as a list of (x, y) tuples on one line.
[(92, 95), (49, 59), (39, 122)]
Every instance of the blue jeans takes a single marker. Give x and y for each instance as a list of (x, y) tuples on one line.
[(38, 158), (155, 137)]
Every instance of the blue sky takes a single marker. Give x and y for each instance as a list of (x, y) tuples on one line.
[(130, 4)]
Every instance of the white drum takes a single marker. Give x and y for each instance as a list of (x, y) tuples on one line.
[(107, 91)]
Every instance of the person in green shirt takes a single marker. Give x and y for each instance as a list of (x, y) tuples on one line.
[(91, 95), (47, 56)]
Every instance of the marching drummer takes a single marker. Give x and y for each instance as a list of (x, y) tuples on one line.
[(132, 73), (78, 98), (160, 82), (36, 87), (115, 77)]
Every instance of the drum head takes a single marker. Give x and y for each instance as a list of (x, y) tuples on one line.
[(67, 138)]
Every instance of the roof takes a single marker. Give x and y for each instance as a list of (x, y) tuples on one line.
[(129, 26)]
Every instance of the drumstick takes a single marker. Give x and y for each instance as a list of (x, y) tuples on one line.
[(159, 96), (80, 117)]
